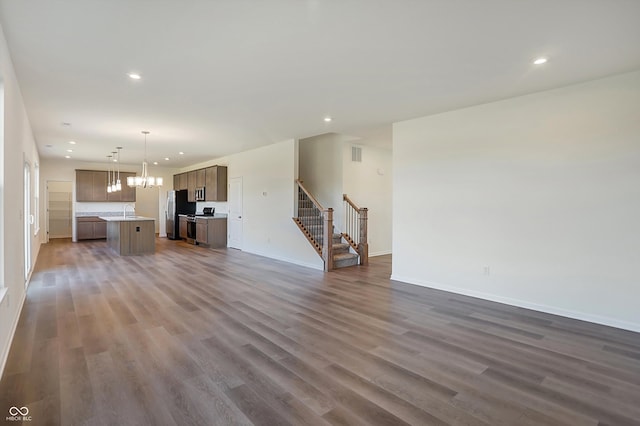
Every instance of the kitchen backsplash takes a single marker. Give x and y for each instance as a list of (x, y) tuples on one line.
[(220, 206)]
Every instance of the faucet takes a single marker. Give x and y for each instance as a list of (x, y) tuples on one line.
[(124, 213)]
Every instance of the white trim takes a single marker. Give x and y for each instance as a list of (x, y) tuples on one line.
[(7, 348), (380, 253), (283, 259), (583, 316)]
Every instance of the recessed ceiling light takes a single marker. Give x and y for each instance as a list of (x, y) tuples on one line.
[(155, 163), (166, 158), (69, 150), (540, 61), (181, 153), (115, 160), (72, 142), (134, 76), (327, 119), (67, 156)]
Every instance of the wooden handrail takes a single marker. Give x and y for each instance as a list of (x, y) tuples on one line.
[(346, 198), (311, 197)]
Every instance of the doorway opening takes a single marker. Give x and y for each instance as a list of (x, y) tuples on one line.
[(59, 209)]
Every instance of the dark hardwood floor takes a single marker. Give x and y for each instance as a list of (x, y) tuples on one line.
[(191, 336)]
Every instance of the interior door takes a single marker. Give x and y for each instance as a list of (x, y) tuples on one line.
[(235, 213), (28, 220)]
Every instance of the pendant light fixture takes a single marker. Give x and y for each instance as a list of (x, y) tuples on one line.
[(144, 180), (109, 189), (118, 183), (113, 174)]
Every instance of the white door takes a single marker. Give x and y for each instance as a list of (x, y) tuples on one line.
[(235, 213)]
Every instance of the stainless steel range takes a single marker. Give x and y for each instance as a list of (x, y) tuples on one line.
[(191, 223)]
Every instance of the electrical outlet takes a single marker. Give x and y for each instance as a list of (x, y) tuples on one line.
[(486, 270)]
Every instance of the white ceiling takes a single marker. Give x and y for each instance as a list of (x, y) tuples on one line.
[(223, 76)]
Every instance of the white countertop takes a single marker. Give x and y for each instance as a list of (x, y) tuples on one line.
[(125, 219)]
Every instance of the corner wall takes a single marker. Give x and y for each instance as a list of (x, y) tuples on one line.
[(18, 146), (543, 190)]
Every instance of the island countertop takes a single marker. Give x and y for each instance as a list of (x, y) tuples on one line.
[(131, 235), (125, 219)]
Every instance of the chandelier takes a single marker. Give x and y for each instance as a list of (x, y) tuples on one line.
[(144, 180)]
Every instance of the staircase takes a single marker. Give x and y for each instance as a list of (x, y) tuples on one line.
[(316, 223), (342, 257)]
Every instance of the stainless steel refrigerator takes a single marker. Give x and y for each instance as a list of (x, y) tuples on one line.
[(177, 204)]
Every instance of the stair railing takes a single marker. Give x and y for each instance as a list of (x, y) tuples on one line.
[(316, 223), (355, 228)]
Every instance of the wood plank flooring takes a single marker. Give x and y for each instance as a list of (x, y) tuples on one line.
[(192, 336)]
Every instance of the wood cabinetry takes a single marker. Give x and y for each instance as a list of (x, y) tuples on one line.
[(200, 178), (191, 186), (211, 232), (201, 231), (216, 183), (91, 186), (180, 181), (182, 227), (127, 194), (90, 228), (213, 179)]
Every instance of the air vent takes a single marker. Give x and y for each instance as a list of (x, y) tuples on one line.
[(356, 154)]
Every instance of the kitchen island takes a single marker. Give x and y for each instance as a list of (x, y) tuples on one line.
[(131, 235)]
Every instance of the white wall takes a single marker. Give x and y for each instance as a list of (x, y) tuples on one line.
[(18, 145), (369, 184), (320, 165), (268, 228), (543, 189), (149, 201)]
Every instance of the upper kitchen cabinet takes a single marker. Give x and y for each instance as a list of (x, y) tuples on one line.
[(127, 194), (182, 181), (200, 178), (191, 186), (91, 185), (216, 183), (176, 182)]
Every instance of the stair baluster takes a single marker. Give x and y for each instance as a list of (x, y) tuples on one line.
[(355, 234)]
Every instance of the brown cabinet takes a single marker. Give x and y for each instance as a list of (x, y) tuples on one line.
[(201, 231), (183, 181), (211, 232), (200, 178), (127, 193), (216, 183), (91, 185), (191, 186), (213, 179), (90, 228), (182, 227)]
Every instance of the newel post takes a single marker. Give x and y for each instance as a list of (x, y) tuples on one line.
[(363, 245), (327, 240)]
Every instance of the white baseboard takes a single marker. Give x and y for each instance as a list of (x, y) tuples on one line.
[(14, 326), (380, 253), (285, 259), (555, 310)]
